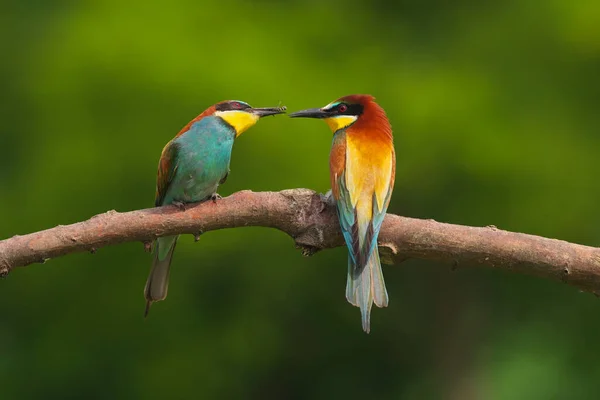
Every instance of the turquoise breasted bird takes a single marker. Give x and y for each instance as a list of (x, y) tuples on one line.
[(191, 168), (362, 166)]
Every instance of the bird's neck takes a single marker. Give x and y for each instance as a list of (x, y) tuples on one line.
[(209, 127), (370, 133), (206, 113)]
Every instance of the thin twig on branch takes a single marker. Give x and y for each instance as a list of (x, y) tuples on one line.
[(310, 220)]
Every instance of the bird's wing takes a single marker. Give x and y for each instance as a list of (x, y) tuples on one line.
[(167, 166), (381, 200), (345, 209)]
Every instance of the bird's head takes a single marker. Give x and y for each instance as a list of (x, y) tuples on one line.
[(356, 109), (235, 113), (241, 116)]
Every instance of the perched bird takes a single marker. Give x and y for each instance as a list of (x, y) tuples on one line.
[(191, 168), (362, 165)]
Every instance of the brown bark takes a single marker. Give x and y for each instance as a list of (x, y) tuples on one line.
[(311, 221)]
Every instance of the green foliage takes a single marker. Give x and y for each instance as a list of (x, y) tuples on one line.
[(495, 113)]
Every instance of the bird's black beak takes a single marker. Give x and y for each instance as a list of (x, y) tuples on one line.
[(310, 113), (265, 111)]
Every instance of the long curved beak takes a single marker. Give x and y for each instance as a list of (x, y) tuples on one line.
[(309, 113), (265, 111)]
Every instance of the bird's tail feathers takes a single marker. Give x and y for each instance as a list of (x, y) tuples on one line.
[(157, 284), (365, 287)]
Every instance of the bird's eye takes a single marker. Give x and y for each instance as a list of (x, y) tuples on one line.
[(236, 106), (342, 108)]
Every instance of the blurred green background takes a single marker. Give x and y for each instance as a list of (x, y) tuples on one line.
[(495, 112)]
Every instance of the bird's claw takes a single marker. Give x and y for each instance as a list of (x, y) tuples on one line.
[(327, 199), (180, 205), (215, 196)]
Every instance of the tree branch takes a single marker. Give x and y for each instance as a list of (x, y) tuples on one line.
[(310, 220)]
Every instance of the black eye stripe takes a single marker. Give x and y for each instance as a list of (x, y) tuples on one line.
[(347, 109)]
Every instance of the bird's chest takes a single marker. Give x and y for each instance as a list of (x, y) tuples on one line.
[(202, 164), (368, 168)]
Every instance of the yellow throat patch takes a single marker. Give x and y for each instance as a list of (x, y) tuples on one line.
[(241, 121), (340, 122)]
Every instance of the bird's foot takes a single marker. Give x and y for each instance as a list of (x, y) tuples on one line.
[(215, 196), (180, 205), (327, 199)]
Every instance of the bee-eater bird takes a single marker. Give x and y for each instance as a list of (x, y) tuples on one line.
[(191, 168), (362, 166)]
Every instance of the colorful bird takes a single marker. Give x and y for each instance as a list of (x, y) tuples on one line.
[(191, 168), (362, 165)]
